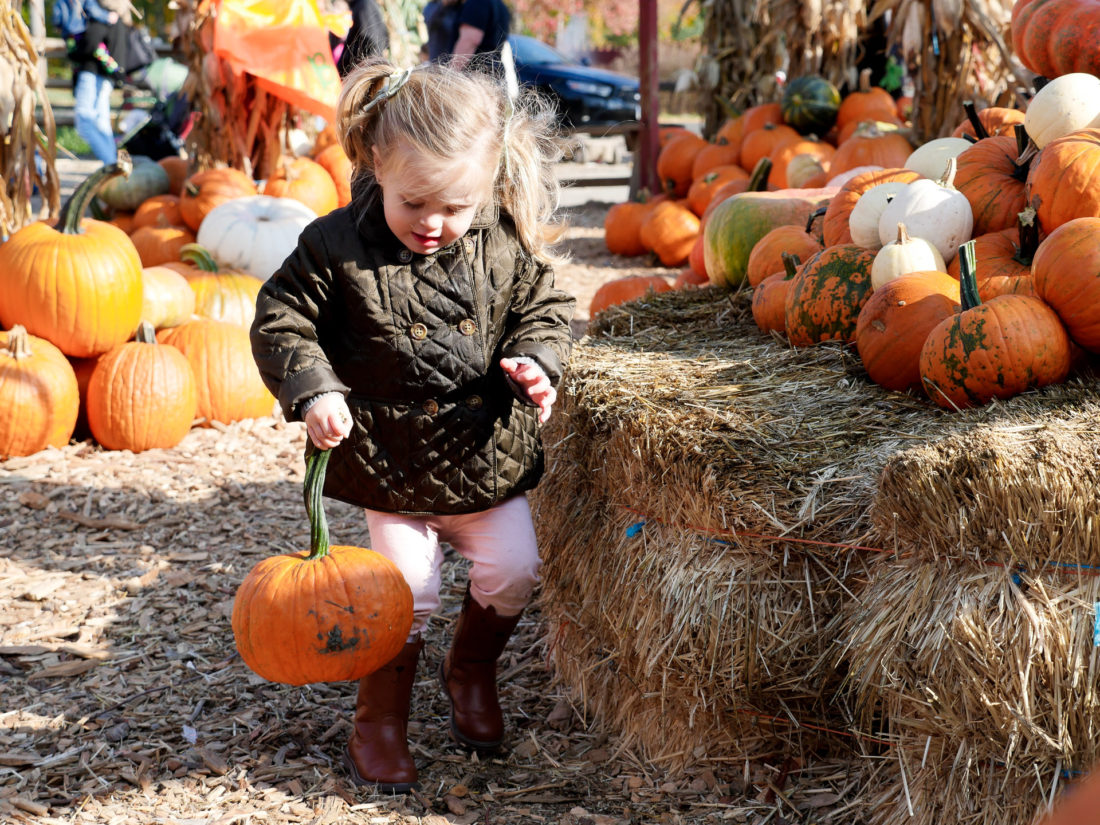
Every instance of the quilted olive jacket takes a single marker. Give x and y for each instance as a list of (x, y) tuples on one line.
[(414, 343)]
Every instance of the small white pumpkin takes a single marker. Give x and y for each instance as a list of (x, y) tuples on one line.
[(904, 255), (930, 159), (804, 166), (1065, 104), (254, 233), (864, 217), (931, 209)]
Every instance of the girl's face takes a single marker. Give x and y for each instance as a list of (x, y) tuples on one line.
[(429, 207)]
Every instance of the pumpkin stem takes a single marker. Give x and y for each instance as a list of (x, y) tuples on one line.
[(968, 277), (19, 345), (1029, 237), (758, 182), (903, 234), (199, 256), (145, 334), (865, 81), (315, 509), (817, 213), (1028, 153), (791, 263), (975, 121), (72, 212), (948, 179), (1020, 172)]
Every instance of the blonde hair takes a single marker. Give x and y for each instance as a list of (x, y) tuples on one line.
[(445, 115)]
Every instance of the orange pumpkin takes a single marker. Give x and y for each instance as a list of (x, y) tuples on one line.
[(670, 229), (995, 349), (769, 298), (622, 226), (204, 190), (177, 169), (766, 257), (760, 115), (1064, 180), (74, 282), (159, 210), (991, 177), (629, 288), (989, 122), (895, 321), (226, 377), (329, 614), (871, 146), (763, 142), (782, 154), (1066, 273), (160, 243), (704, 188), (141, 395), (305, 180), (866, 103), (675, 161), (714, 156), (1004, 259), (335, 161), (38, 393), (756, 182)]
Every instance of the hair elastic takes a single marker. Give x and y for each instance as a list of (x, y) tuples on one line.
[(390, 86)]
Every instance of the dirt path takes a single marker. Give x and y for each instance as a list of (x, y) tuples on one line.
[(122, 699)]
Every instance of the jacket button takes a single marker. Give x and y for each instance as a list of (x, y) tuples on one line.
[(468, 245), (405, 255), (474, 402), (418, 331), (467, 327), (431, 407)]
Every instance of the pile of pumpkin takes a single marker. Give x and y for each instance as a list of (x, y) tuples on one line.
[(968, 267), (134, 325)]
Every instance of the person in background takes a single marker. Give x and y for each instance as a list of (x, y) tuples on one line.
[(419, 335), (441, 19), (94, 70), (483, 27), (367, 37)]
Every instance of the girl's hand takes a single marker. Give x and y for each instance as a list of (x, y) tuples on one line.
[(533, 381), (328, 421)]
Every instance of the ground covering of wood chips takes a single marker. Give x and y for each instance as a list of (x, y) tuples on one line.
[(122, 699)]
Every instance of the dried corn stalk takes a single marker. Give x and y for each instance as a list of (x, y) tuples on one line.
[(955, 50), (748, 41), (239, 124), (21, 87)]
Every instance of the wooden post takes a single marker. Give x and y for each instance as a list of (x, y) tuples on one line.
[(645, 156)]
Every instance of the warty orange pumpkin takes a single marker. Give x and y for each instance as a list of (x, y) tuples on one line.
[(825, 297), (1066, 275)]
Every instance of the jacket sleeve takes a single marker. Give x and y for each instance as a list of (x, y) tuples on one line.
[(287, 332), (540, 316)]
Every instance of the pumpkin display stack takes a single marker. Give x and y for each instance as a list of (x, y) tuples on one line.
[(327, 614)]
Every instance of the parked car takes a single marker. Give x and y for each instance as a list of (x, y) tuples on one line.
[(588, 99)]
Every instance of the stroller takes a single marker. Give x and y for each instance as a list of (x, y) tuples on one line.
[(159, 130)]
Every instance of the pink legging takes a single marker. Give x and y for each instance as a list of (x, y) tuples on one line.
[(498, 542)]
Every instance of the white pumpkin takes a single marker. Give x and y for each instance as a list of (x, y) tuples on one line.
[(864, 217), (804, 166), (931, 209), (930, 159), (254, 233), (1065, 104), (904, 255)]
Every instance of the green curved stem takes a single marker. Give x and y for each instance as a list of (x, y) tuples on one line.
[(968, 277), (758, 181), (198, 255), (791, 263), (72, 212), (316, 464)]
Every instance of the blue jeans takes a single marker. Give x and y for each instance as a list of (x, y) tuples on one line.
[(92, 113)]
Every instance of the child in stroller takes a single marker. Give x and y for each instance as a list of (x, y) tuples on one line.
[(159, 130)]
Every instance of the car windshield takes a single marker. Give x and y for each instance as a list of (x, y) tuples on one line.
[(534, 52)]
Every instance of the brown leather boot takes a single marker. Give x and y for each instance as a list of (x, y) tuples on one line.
[(378, 751), (469, 674)]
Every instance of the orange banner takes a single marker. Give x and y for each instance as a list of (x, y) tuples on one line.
[(285, 45)]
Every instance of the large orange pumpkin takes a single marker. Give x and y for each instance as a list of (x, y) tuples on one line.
[(329, 614), (991, 177), (1064, 180), (141, 395), (895, 321), (670, 229), (1057, 37), (622, 227), (866, 103), (74, 282), (226, 377), (38, 394), (995, 349), (1066, 274), (1004, 258), (675, 161)]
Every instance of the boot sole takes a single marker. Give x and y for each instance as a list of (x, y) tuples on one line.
[(380, 787), (456, 734)]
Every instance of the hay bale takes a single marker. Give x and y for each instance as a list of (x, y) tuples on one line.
[(708, 509)]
